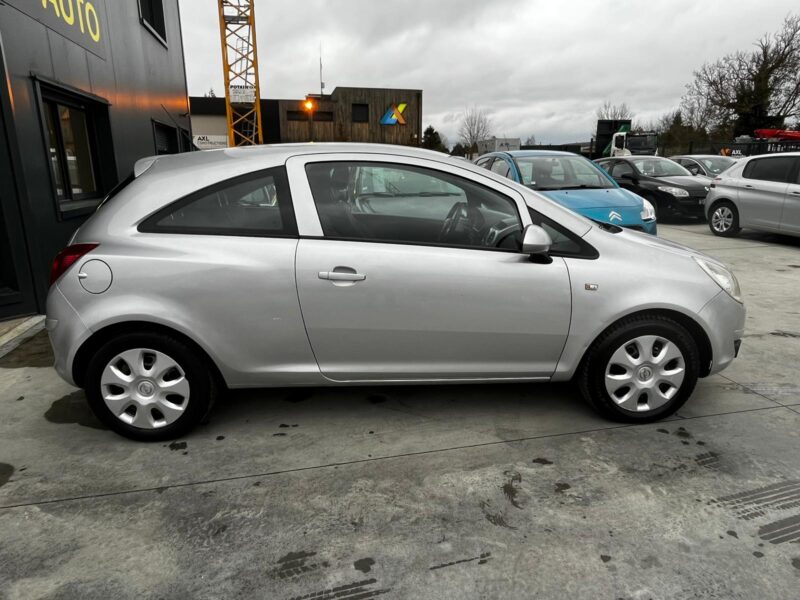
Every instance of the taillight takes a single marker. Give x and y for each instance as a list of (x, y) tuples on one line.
[(65, 259)]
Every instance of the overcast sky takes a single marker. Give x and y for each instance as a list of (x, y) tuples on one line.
[(540, 67)]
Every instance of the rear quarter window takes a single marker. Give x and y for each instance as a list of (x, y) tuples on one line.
[(256, 204), (776, 168)]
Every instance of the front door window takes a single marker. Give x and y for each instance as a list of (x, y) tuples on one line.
[(402, 203)]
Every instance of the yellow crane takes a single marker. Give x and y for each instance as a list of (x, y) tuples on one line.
[(237, 30)]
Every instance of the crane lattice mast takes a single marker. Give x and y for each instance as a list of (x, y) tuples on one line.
[(237, 29)]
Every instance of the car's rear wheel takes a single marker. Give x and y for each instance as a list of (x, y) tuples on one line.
[(642, 369), (149, 386), (723, 219)]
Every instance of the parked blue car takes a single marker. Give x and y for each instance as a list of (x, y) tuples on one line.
[(575, 182)]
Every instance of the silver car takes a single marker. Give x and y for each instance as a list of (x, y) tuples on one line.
[(344, 264), (759, 192)]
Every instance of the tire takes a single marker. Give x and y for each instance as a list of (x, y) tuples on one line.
[(723, 219), (160, 388), (665, 390)]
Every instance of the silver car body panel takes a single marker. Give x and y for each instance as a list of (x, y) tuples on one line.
[(261, 310)]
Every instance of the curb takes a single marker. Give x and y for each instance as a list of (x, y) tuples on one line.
[(21, 333)]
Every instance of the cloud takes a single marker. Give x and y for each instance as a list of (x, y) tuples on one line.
[(537, 67)]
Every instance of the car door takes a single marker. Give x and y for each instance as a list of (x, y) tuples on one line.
[(762, 192), (790, 216), (390, 291)]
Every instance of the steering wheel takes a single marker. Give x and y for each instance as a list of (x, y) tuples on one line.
[(457, 215), (500, 232)]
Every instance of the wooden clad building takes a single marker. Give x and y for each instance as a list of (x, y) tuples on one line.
[(348, 114)]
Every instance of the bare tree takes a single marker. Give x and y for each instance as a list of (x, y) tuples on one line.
[(746, 90), (476, 126), (531, 141), (616, 112)]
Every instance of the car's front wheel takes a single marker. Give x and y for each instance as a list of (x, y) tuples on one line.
[(149, 386), (642, 369), (724, 219)]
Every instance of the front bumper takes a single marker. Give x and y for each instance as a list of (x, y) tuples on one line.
[(724, 323), (693, 206)]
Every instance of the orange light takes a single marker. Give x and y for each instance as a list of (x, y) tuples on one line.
[(309, 104)]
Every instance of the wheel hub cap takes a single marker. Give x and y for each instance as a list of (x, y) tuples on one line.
[(145, 388), (645, 373), (722, 219)]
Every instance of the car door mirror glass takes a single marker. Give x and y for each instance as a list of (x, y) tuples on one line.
[(535, 240)]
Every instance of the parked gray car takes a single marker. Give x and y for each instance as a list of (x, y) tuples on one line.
[(345, 264), (708, 165), (759, 192)]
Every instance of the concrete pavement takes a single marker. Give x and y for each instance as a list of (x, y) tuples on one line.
[(494, 491)]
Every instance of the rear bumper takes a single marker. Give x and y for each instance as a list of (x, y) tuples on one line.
[(66, 331), (724, 323)]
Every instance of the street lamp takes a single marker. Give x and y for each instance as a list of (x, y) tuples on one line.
[(309, 106)]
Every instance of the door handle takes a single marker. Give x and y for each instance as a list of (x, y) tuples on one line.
[(748, 186), (796, 193), (341, 276)]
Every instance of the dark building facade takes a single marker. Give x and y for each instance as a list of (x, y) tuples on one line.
[(87, 87), (348, 114)]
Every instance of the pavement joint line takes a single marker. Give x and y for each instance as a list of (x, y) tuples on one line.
[(368, 460), (752, 391)]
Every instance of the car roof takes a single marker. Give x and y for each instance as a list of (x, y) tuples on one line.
[(273, 153), (699, 156), (632, 157), (536, 153)]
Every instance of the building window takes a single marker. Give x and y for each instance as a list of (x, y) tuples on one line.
[(323, 115), (360, 113), (296, 115), (166, 138), (152, 14), (71, 152)]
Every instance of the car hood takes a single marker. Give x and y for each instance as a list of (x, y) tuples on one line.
[(687, 182), (605, 198), (665, 245)]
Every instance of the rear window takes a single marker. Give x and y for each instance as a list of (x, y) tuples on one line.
[(776, 168), (253, 204), (117, 189)]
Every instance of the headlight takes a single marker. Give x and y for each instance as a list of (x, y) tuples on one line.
[(677, 192), (722, 276), (648, 212)]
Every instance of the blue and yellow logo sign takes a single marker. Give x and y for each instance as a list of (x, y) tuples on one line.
[(394, 115)]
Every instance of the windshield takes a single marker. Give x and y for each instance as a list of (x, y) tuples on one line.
[(561, 173), (717, 164), (659, 167), (641, 141)]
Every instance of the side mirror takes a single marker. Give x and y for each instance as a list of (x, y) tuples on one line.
[(694, 170), (627, 176), (535, 240)]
